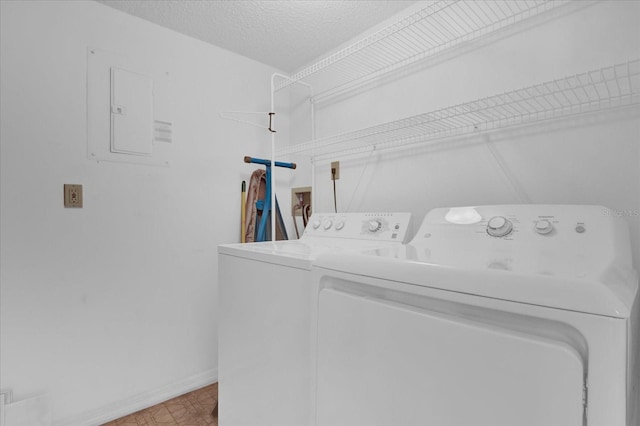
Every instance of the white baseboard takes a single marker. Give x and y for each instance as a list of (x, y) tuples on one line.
[(2, 403), (31, 411), (138, 402)]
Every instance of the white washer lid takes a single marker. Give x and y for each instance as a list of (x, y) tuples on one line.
[(294, 253), (613, 296), (572, 257), (299, 253)]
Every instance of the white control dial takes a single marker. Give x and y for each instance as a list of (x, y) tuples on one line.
[(499, 226), (339, 225), (374, 225), (327, 224), (316, 224), (544, 226)]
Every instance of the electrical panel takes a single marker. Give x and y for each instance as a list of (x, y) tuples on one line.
[(131, 113)]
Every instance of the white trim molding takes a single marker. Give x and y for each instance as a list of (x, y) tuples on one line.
[(141, 401)]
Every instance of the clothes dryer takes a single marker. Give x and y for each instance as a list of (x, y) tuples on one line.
[(492, 315), (264, 315)]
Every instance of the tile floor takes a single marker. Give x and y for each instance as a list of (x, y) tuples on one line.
[(191, 409)]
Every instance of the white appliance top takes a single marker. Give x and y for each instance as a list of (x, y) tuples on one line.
[(328, 232), (568, 257)]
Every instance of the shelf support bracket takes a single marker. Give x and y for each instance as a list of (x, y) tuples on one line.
[(271, 114)]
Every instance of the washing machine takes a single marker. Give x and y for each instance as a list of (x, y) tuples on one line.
[(264, 315), (492, 315)]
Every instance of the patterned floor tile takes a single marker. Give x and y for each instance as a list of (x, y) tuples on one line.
[(191, 409)]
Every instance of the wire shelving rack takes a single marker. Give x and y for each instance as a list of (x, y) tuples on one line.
[(439, 26), (602, 89)]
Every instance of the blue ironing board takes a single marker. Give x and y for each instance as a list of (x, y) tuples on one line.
[(264, 205)]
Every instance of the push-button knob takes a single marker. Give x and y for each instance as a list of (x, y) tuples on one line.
[(544, 226), (374, 225), (499, 226)]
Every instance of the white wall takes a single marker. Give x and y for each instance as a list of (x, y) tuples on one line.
[(117, 300), (114, 303), (589, 160)]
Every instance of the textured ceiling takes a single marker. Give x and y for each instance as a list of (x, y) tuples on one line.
[(285, 34)]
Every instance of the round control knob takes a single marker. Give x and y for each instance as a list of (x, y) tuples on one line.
[(499, 226), (374, 225), (315, 224), (327, 224), (544, 226), (339, 225)]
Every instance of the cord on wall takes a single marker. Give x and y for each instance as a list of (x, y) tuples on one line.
[(333, 178)]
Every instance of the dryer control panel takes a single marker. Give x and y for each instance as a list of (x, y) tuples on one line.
[(380, 226), (558, 240)]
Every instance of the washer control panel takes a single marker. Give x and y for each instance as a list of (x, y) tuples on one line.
[(380, 226), (518, 222), (568, 240)]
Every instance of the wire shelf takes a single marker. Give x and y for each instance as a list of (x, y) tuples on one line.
[(606, 88), (433, 29)]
